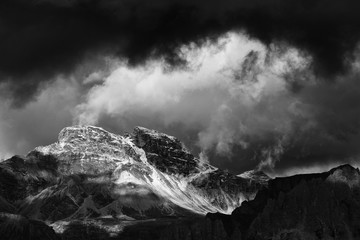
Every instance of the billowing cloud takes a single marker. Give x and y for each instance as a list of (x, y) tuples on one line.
[(41, 39), (241, 103), (234, 101), (238, 103)]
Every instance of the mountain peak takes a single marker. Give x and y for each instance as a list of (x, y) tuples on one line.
[(143, 136), (143, 162), (165, 152), (90, 150), (152, 132), (84, 133)]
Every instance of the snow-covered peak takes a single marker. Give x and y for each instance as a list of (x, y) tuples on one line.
[(91, 150), (148, 162), (85, 133)]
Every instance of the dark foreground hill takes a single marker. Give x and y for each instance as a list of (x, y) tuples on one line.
[(310, 206)]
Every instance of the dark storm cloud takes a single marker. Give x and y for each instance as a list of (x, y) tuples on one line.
[(335, 135), (42, 38)]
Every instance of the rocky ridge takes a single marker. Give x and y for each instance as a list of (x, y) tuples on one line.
[(151, 163), (90, 174), (309, 206), (151, 187)]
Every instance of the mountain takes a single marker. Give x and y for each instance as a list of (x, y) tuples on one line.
[(93, 184), (91, 175), (309, 206)]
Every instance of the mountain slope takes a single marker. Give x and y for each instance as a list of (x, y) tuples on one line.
[(92, 184), (91, 173), (309, 206)]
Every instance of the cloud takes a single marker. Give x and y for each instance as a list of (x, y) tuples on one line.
[(231, 97), (41, 39), (39, 123), (238, 102)]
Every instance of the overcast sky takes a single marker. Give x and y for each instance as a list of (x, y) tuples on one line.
[(262, 84)]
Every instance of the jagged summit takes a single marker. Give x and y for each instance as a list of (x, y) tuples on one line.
[(90, 172), (90, 145), (85, 133), (89, 133), (90, 150), (94, 176), (154, 134), (167, 153)]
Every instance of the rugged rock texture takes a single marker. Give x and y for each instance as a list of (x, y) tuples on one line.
[(90, 175), (213, 185), (20, 177), (218, 187), (312, 206), (143, 175), (165, 152), (93, 184)]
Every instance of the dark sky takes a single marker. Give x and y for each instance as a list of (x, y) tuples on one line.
[(274, 82)]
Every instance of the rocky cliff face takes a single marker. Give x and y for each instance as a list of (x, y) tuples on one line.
[(91, 175), (311, 206), (92, 184), (301, 207)]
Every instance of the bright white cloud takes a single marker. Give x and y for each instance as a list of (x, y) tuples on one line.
[(231, 93), (266, 102)]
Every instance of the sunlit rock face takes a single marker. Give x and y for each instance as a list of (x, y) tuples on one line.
[(142, 175), (90, 173), (90, 150), (214, 189)]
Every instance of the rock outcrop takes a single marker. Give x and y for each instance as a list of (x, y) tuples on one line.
[(311, 206)]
